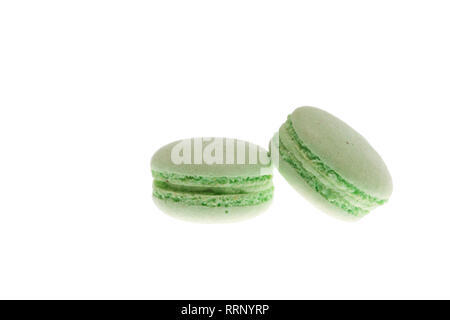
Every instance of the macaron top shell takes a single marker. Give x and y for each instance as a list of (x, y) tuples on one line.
[(212, 157), (342, 149)]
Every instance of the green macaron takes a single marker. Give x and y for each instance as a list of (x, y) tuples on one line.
[(330, 164), (212, 180)]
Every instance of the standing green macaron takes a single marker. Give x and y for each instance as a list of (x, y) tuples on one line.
[(331, 164), (212, 180)]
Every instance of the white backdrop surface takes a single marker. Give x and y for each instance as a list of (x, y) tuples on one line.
[(89, 90)]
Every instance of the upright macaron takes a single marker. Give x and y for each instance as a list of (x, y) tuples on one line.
[(212, 180), (330, 163)]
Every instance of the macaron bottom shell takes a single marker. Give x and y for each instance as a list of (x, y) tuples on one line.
[(212, 204), (209, 215)]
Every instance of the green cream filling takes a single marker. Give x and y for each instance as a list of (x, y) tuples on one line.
[(212, 197), (175, 178), (213, 190), (327, 182)]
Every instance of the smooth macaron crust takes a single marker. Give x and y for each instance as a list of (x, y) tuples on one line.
[(212, 180), (330, 163)]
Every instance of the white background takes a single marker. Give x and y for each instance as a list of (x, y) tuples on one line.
[(89, 90)]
